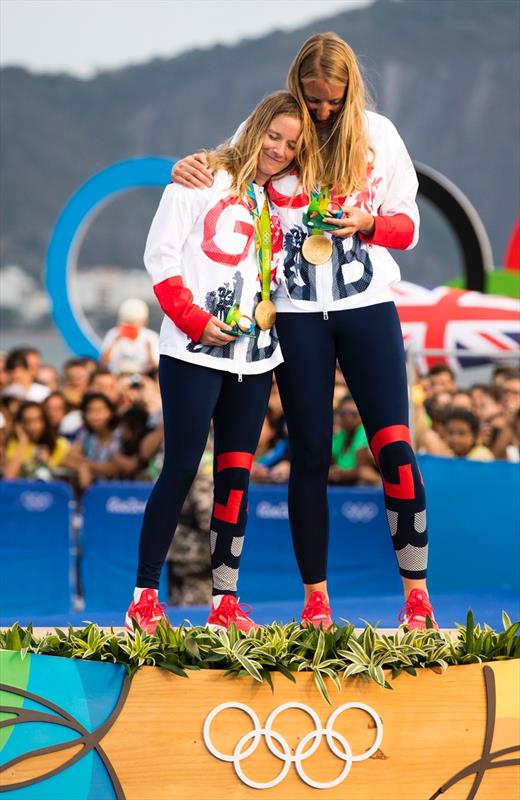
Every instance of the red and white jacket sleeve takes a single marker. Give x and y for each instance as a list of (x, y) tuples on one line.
[(397, 222), (173, 222)]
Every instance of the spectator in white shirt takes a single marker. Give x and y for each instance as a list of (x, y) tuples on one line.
[(20, 381), (131, 340)]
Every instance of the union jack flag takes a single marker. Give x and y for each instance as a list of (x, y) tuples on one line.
[(457, 320)]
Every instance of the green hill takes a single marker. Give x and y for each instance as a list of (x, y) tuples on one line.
[(445, 72)]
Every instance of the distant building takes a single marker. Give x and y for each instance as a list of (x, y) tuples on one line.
[(21, 295), (101, 289)]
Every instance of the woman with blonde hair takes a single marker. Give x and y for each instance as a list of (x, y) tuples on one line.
[(335, 303), (213, 255)]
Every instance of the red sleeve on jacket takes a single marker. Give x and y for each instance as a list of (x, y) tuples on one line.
[(393, 231), (177, 303)]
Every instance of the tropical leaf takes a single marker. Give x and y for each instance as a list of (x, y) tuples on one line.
[(174, 668), (337, 654), (286, 672), (320, 685), (250, 667)]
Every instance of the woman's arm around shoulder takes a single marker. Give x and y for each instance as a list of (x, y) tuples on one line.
[(396, 224)]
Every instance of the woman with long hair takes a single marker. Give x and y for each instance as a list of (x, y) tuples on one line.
[(213, 255), (336, 303), (34, 450), (98, 441)]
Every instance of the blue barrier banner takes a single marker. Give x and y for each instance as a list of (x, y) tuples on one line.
[(474, 524), (35, 548), (112, 516), (361, 558)]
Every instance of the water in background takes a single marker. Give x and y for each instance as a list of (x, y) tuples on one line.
[(48, 341)]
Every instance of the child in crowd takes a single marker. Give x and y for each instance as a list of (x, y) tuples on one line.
[(131, 340), (461, 430)]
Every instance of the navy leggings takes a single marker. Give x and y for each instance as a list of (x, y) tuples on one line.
[(191, 397), (368, 344)]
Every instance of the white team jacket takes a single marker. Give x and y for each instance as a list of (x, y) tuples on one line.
[(200, 254), (360, 270)]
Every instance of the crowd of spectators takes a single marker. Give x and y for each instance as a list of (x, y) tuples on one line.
[(101, 420), (482, 423)]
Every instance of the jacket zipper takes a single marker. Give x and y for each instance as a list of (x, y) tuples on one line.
[(323, 292), (240, 345)]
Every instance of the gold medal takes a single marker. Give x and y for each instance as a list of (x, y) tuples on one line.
[(317, 249), (265, 314)]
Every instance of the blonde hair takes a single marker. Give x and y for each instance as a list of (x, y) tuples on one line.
[(240, 158), (345, 154)]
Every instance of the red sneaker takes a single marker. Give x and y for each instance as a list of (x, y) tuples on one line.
[(415, 611), (228, 612), (147, 612), (317, 611)]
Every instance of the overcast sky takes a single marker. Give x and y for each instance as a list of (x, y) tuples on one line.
[(85, 36)]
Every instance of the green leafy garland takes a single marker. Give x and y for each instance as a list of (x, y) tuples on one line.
[(336, 654)]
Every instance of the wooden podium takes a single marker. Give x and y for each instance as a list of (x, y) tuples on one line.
[(454, 735)]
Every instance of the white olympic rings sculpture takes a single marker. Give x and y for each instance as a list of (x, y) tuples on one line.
[(242, 752)]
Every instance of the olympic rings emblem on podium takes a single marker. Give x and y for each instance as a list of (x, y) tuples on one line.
[(243, 750)]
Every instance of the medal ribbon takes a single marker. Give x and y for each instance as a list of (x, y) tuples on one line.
[(317, 209), (263, 243)]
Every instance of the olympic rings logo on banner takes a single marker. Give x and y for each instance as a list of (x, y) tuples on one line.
[(243, 750)]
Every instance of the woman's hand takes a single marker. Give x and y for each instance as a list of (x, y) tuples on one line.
[(354, 220), (21, 435), (215, 333), (193, 172)]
